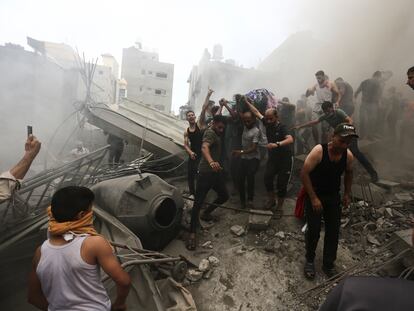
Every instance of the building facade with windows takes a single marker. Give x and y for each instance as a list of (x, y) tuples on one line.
[(149, 81)]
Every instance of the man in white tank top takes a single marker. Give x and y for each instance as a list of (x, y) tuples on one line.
[(65, 275), (325, 91)]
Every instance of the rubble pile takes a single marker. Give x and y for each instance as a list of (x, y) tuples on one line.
[(365, 226)]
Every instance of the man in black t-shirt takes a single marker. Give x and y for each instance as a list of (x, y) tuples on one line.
[(280, 155), (371, 96), (334, 117), (347, 96)]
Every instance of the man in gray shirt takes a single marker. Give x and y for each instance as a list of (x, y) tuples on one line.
[(249, 155)]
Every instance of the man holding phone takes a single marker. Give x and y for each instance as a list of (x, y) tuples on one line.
[(10, 180)]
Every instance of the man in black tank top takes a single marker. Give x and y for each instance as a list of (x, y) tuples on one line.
[(321, 178), (192, 144)]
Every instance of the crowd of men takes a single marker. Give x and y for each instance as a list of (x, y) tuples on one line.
[(65, 273), (248, 129)]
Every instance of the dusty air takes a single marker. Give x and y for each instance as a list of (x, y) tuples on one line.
[(206, 155)]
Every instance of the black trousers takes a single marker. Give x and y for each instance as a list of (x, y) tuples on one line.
[(361, 157), (205, 182), (248, 169), (192, 169), (331, 213), (282, 168)]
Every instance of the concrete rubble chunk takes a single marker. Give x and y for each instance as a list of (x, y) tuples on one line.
[(280, 235), (387, 184), (207, 244), (403, 196), (260, 222), (207, 274), (373, 240), (194, 275), (214, 261), (389, 211), (237, 230), (204, 265)]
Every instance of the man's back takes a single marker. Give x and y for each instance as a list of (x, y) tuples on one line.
[(68, 281), (371, 90)]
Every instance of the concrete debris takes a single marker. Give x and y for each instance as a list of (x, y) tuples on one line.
[(280, 235), (403, 196), (260, 222), (237, 230), (194, 275), (207, 274), (389, 211), (207, 244), (204, 265), (371, 239), (214, 261)]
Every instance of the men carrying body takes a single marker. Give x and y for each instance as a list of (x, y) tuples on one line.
[(66, 269), (9, 181), (250, 159), (192, 144), (371, 96), (325, 91), (210, 177), (321, 178), (334, 117), (279, 155)]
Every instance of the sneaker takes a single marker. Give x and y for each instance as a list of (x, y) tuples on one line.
[(330, 272), (309, 270)]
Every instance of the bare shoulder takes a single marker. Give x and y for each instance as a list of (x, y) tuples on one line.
[(96, 242), (316, 150)]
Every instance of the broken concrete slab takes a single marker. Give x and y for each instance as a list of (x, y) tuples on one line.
[(403, 196), (404, 242), (260, 222), (204, 265), (390, 185), (214, 261), (369, 192), (194, 275), (237, 230)]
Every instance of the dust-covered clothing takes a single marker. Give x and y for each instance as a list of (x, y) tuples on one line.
[(68, 282), (335, 118), (8, 184), (347, 99), (276, 133), (214, 141), (371, 91), (250, 137)]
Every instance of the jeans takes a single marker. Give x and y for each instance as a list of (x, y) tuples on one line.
[(282, 168), (192, 173), (205, 182), (331, 213), (353, 146), (248, 169)]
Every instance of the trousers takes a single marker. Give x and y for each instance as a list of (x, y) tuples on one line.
[(331, 214), (205, 182)]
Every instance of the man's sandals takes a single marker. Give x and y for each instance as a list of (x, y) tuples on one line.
[(309, 270)]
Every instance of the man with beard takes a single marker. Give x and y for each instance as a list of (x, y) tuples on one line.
[(249, 159), (192, 145), (321, 178), (334, 117), (279, 155), (325, 91), (210, 177)]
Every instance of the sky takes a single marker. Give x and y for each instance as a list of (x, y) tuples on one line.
[(178, 30)]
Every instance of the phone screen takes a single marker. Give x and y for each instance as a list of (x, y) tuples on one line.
[(29, 130)]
